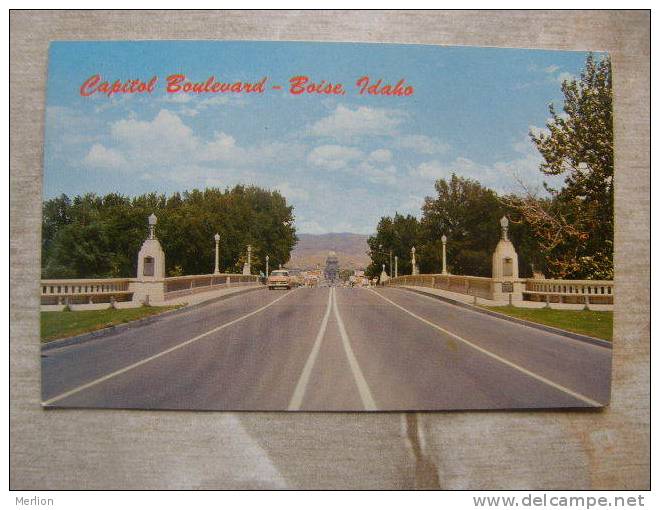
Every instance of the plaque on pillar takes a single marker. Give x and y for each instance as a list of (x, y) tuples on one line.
[(149, 285)]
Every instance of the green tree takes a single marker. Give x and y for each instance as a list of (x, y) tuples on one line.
[(398, 234), (92, 236), (468, 214), (575, 229)]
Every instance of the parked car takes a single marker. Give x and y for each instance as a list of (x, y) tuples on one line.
[(278, 279)]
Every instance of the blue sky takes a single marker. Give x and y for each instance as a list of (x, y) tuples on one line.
[(342, 161)]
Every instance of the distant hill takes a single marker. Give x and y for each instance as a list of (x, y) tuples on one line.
[(313, 249)]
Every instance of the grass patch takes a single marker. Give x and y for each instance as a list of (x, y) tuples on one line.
[(55, 325), (586, 322)]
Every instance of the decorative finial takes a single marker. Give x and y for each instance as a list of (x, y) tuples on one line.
[(217, 238), (504, 222), (152, 225), (444, 239)]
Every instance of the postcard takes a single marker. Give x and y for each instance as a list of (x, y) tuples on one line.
[(298, 226)]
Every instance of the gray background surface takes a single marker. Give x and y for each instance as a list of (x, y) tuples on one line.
[(86, 449)]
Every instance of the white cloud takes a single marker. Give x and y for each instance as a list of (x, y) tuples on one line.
[(561, 77), (422, 144), (161, 141), (374, 167), (221, 148), (345, 124), (377, 174), (412, 205), (464, 167), (551, 69), (171, 145), (101, 157), (514, 175), (334, 157), (292, 192), (381, 156)]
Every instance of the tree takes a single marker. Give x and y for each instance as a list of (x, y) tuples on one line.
[(92, 236), (468, 214), (398, 234), (575, 229)]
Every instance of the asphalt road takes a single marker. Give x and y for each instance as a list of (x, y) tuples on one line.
[(328, 349)]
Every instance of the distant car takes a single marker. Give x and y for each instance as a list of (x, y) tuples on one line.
[(279, 279)]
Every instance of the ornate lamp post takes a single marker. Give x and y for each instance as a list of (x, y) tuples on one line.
[(414, 263), (216, 269), (380, 247), (444, 253), (267, 259), (396, 266)]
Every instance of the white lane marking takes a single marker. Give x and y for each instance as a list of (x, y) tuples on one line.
[(525, 371), (301, 387), (536, 330), (365, 393), (158, 355)]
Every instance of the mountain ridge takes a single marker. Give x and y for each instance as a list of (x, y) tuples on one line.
[(312, 250)]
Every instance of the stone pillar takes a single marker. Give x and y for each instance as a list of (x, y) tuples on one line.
[(149, 285), (383, 275), (505, 268), (267, 259), (247, 267), (396, 266), (414, 263)]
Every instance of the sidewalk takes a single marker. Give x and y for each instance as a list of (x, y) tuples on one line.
[(470, 300)]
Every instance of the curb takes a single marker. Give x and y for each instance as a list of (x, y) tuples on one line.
[(118, 328), (548, 329)]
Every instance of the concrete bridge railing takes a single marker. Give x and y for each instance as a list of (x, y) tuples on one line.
[(90, 291), (570, 291), (472, 285), (177, 286), (85, 291), (529, 289)]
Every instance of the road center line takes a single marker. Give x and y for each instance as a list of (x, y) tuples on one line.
[(301, 387), (360, 381), (525, 371), (158, 355)]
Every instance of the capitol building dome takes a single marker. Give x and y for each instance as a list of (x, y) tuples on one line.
[(332, 266)]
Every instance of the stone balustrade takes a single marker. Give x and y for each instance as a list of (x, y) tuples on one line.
[(105, 290), (472, 285), (570, 291), (85, 291), (185, 285), (530, 289)]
